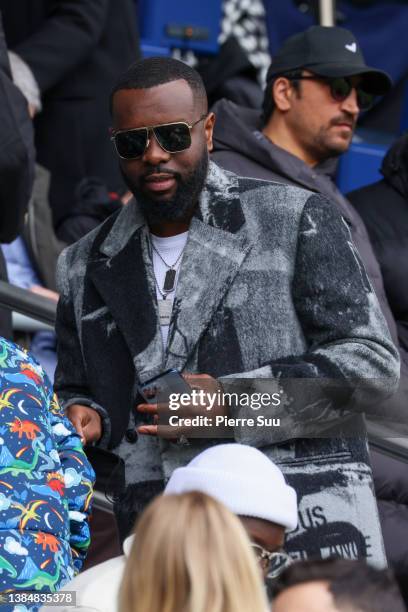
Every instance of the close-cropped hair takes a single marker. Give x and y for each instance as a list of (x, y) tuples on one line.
[(154, 71), (354, 584), (268, 103), (191, 554)]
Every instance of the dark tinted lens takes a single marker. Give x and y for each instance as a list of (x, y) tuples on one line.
[(277, 564), (364, 99), (131, 144), (173, 138), (340, 89)]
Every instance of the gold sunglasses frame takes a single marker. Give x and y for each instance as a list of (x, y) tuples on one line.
[(149, 129)]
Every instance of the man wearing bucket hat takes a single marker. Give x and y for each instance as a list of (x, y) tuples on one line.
[(253, 487), (247, 483)]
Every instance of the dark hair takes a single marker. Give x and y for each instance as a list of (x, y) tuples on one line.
[(153, 71), (268, 104), (351, 583)]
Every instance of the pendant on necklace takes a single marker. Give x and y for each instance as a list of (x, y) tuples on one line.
[(169, 280), (165, 308)]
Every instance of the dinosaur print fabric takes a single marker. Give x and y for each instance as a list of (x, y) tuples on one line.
[(46, 481)]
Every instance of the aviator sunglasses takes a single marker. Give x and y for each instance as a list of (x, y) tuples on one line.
[(172, 137), (272, 563), (340, 89)]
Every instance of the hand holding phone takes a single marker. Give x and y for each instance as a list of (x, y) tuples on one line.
[(158, 388)]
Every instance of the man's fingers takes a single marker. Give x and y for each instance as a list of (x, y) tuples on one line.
[(92, 432), (152, 408), (93, 427), (169, 433), (147, 408), (77, 423), (148, 430), (202, 376), (86, 421)]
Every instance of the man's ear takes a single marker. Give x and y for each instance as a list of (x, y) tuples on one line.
[(209, 128), (282, 93)]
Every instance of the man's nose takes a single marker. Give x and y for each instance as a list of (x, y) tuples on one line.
[(350, 104), (154, 154)]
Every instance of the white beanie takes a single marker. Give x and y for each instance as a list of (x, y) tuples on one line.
[(243, 479)]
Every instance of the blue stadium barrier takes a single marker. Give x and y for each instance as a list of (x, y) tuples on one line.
[(361, 164), (180, 24)]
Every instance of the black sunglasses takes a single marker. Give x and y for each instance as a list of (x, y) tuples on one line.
[(340, 89), (172, 137)]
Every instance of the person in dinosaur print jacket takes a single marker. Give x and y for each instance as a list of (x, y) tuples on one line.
[(46, 481)]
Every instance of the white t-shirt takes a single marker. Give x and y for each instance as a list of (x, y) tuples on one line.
[(170, 249)]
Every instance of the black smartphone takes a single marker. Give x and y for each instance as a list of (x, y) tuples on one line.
[(161, 386)]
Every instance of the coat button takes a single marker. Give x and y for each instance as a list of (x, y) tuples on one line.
[(131, 436)]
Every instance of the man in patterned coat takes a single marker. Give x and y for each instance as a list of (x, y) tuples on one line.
[(263, 282)]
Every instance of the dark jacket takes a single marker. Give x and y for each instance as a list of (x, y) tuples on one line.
[(93, 205), (76, 51), (240, 147), (384, 208), (260, 295), (391, 487), (16, 164)]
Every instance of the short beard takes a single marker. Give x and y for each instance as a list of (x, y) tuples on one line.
[(181, 207), (324, 149)]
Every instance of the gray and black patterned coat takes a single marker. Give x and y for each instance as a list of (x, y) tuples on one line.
[(270, 286)]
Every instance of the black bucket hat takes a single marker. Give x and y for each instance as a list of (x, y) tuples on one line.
[(328, 52)]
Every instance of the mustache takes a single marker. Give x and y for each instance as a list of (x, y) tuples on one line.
[(161, 170), (348, 119)]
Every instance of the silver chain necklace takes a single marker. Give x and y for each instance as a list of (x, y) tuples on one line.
[(170, 277)]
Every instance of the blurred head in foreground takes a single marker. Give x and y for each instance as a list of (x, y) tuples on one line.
[(336, 585), (190, 554), (251, 486)]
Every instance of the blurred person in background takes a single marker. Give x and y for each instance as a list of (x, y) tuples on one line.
[(93, 205), (16, 164), (190, 553), (243, 479), (384, 209), (65, 58), (336, 585)]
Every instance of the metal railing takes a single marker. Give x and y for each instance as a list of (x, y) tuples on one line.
[(41, 309), (27, 303)]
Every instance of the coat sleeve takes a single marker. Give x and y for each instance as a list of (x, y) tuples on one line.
[(71, 31), (79, 479), (70, 382), (16, 152), (346, 334)]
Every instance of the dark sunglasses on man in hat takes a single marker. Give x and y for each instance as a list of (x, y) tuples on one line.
[(340, 88)]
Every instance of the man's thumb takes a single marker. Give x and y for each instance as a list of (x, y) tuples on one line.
[(77, 423)]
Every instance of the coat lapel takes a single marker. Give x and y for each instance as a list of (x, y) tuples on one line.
[(211, 260), (216, 248), (123, 276)]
